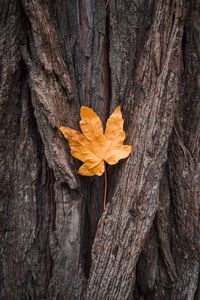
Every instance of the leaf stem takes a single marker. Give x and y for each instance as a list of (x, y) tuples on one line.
[(105, 189)]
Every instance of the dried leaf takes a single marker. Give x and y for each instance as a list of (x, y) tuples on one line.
[(93, 147)]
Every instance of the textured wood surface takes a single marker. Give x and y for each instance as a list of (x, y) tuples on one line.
[(56, 241)]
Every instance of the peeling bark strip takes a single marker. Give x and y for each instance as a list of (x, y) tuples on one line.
[(126, 223), (51, 106), (48, 75), (46, 43)]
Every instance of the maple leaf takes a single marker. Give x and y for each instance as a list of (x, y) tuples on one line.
[(92, 146)]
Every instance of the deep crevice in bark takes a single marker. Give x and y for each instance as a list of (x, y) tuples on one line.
[(107, 67), (90, 223)]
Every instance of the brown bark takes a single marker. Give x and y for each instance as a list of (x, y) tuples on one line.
[(127, 221), (56, 240)]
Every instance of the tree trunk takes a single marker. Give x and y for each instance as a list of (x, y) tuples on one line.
[(56, 240)]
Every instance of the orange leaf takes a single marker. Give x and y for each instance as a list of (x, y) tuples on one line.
[(92, 146)]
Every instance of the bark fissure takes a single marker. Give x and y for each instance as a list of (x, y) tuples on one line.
[(94, 32)]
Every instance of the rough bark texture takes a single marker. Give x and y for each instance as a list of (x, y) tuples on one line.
[(56, 241)]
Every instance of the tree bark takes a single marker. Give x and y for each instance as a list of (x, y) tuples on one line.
[(57, 242)]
